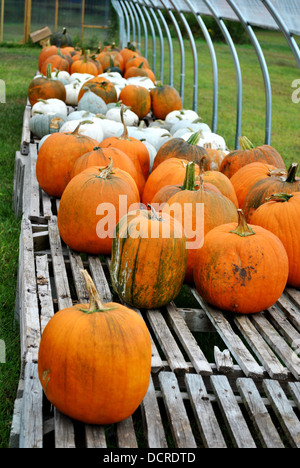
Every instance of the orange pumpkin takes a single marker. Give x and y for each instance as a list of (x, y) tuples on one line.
[(243, 179), (164, 99), (215, 157), (136, 62), (147, 245), (265, 187), (110, 59), (45, 53), (94, 360), (56, 158), (280, 214), (137, 98), (102, 87), (252, 259), (84, 65), (234, 160), (224, 184), (140, 71), (100, 157), (92, 204), (181, 149), (45, 87), (57, 62), (129, 51), (199, 211)]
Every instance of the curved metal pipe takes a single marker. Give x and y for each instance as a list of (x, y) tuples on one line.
[(214, 64), (119, 12), (194, 53), (161, 39), (127, 35), (282, 26), (237, 66), (145, 30), (138, 23), (170, 43), (182, 52), (153, 39), (131, 15), (264, 69)]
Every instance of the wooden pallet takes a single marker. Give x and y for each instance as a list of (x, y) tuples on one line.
[(247, 395)]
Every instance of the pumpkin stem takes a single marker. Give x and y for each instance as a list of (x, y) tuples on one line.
[(107, 170), (279, 197), (96, 304), (124, 135), (291, 175), (153, 213), (195, 137), (189, 180), (48, 72), (242, 229), (75, 132), (245, 143)]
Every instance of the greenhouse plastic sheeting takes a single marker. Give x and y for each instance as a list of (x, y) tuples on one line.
[(255, 12)]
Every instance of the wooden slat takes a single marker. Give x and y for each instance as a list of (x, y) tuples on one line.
[(152, 420), (259, 414), (167, 342), (125, 434), (233, 342), (295, 391), (95, 436), (288, 356), (283, 325), (261, 349), (63, 430), (31, 427), (178, 418), (223, 360), (206, 419), (33, 188), (59, 269), (44, 290), (99, 278), (291, 308), (284, 411), (236, 424), (76, 266), (188, 341)]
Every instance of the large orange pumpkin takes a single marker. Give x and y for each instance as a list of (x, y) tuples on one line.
[(224, 184), (199, 210), (243, 179), (45, 53), (281, 215), (94, 360), (56, 158), (102, 87), (84, 65), (129, 51), (140, 71), (164, 99), (241, 268), (57, 61), (248, 153), (100, 157), (258, 193), (137, 98), (92, 204), (45, 87), (148, 259)]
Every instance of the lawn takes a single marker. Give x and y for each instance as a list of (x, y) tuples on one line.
[(17, 66)]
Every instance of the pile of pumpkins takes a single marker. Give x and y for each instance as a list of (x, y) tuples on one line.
[(167, 201)]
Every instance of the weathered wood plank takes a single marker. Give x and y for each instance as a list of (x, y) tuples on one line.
[(31, 427), (223, 360), (188, 341), (95, 436), (288, 356), (44, 290), (259, 414), (152, 420), (77, 265), (125, 434), (295, 391), (284, 411), (283, 326), (261, 349), (99, 278), (178, 418), (236, 424), (63, 431), (167, 342), (59, 269), (206, 419), (233, 342), (291, 307)]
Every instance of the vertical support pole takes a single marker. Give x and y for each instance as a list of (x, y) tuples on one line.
[(56, 15), (138, 24), (153, 38), (82, 20), (169, 38), (116, 5), (161, 39), (145, 30), (1, 20), (131, 15), (27, 20)]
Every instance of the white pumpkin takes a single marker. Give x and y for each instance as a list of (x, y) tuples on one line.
[(110, 128), (183, 114), (72, 91), (80, 115), (116, 78), (50, 106), (213, 139), (81, 77), (130, 118), (141, 81), (88, 128), (184, 124), (61, 75), (152, 152)]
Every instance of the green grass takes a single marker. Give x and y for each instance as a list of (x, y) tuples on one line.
[(17, 67)]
